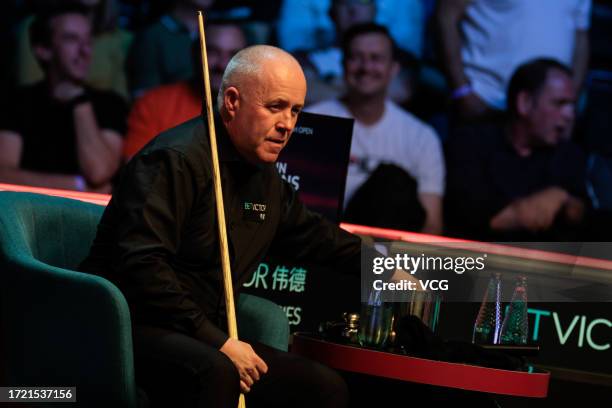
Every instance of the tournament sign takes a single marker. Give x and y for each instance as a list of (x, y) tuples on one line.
[(315, 164)]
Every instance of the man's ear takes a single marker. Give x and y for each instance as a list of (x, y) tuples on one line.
[(42, 54), (524, 103), (231, 100)]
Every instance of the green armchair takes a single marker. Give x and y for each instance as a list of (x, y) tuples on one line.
[(65, 328)]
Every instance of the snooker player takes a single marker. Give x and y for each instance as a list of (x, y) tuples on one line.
[(157, 241)]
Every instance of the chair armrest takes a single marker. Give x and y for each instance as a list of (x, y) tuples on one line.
[(67, 328), (262, 320)]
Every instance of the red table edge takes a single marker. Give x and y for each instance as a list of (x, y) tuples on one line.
[(94, 198), (420, 370), (396, 235)]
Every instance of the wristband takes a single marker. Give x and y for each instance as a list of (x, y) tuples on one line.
[(463, 90), (80, 183)]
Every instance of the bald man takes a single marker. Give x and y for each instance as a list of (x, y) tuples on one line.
[(158, 242)]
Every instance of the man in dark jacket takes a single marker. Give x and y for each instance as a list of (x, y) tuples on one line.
[(158, 242)]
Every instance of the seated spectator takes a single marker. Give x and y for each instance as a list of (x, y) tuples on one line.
[(169, 105), (59, 132), (522, 180), (484, 41), (383, 133), (161, 53), (109, 49)]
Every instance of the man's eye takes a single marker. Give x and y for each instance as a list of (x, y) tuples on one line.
[(296, 111)]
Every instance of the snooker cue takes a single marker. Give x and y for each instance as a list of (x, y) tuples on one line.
[(225, 261)]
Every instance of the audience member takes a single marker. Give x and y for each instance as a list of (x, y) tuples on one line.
[(484, 41), (323, 66), (383, 133), (59, 132), (169, 105), (109, 50), (161, 53), (523, 180)]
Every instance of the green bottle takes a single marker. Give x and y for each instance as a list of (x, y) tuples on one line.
[(515, 328), (488, 321)]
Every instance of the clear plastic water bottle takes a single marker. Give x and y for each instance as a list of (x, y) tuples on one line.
[(515, 328), (487, 326)]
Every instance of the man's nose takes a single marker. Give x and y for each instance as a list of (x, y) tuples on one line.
[(286, 122)]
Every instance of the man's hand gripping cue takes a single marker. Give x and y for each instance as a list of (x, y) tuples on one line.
[(249, 365)]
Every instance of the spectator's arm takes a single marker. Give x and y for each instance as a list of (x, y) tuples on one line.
[(580, 61), (574, 210), (11, 147), (536, 212), (99, 150), (448, 17), (432, 203)]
